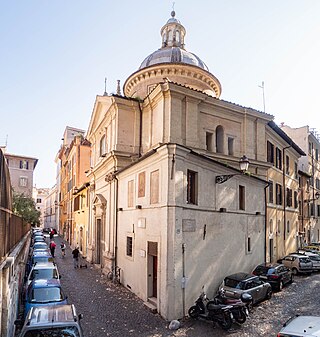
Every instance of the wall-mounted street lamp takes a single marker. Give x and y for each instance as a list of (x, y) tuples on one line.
[(316, 197), (244, 165)]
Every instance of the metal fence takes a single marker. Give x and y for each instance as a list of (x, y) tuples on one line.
[(12, 227)]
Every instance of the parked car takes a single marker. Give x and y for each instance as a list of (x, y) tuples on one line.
[(237, 284), (51, 320), (38, 256), (39, 246), (44, 271), (313, 247), (301, 326), (315, 258), (298, 263), (44, 292), (274, 273)]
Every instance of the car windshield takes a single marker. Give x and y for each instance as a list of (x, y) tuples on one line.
[(305, 260), (229, 282), (45, 295), (45, 274), (39, 259), (71, 331)]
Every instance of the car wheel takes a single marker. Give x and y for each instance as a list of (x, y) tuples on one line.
[(295, 271), (269, 294), (280, 286)]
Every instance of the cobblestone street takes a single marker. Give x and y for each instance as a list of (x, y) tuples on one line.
[(111, 310)]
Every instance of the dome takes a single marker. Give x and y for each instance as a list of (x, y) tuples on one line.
[(173, 62), (173, 50), (173, 55)]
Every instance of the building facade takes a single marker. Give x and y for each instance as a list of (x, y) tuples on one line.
[(21, 170), (158, 157), (309, 165)]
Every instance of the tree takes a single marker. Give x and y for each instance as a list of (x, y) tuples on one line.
[(25, 207)]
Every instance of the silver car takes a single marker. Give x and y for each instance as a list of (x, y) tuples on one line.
[(302, 326), (237, 284), (298, 263)]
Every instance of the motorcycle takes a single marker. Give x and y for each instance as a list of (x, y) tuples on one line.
[(239, 308), (208, 310)]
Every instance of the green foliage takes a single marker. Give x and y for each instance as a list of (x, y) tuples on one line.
[(25, 207)]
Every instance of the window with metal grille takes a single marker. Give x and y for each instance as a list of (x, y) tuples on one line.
[(270, 152), (129, 245), (278, 159), (192, 182), (270, 192), (278, 194), (242, 198)]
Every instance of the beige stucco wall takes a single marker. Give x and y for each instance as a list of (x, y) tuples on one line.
[(173, 223)]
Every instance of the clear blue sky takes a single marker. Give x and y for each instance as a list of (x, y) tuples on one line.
[(55, 54)]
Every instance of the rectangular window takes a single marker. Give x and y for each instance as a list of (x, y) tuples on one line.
[(102, 146), (130, 193), (24, 164), (129, 246), (278, 194), (295, 199), (242, 197), (141, 184), (270, 152), (270, 192), (317, 154), (312, 209), (230, 146), (278, 159), (154, 187), (287, 165), (23, 181), (76, 204), (318, 183), (209, 139), (296, 170), (310, 148), (318, 211), (288, 197), (192, 186), (249, 244), (39, 201)]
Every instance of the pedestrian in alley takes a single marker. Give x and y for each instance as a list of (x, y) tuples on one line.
[(52, 247), (75, 254), (63, 249), (51, 234)]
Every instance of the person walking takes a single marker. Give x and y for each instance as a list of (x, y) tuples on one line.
[(75, 254), (52, 247), (63, 249)]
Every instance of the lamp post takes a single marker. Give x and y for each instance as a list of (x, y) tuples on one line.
[(244, 165)]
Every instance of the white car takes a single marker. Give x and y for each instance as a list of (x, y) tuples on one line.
[(302, 326)]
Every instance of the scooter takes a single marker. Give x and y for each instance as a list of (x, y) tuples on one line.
[(208, 310), (239, 308)]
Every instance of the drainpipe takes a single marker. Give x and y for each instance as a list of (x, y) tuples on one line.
[(116, 223), (183, 281), (284, 192), (266, 222)]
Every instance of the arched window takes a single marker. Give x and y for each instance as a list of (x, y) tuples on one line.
[(219, 139), (102, 146), (177, 36)]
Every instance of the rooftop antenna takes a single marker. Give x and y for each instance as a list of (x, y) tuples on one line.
[(264, 102), (105, 87), (118, 88)]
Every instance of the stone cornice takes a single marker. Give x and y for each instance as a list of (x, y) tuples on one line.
[(164, 70)]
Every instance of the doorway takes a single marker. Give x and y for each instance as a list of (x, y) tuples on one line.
[(98, 241), (152, 271)]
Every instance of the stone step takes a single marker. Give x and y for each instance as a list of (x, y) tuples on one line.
[(151, 305)]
